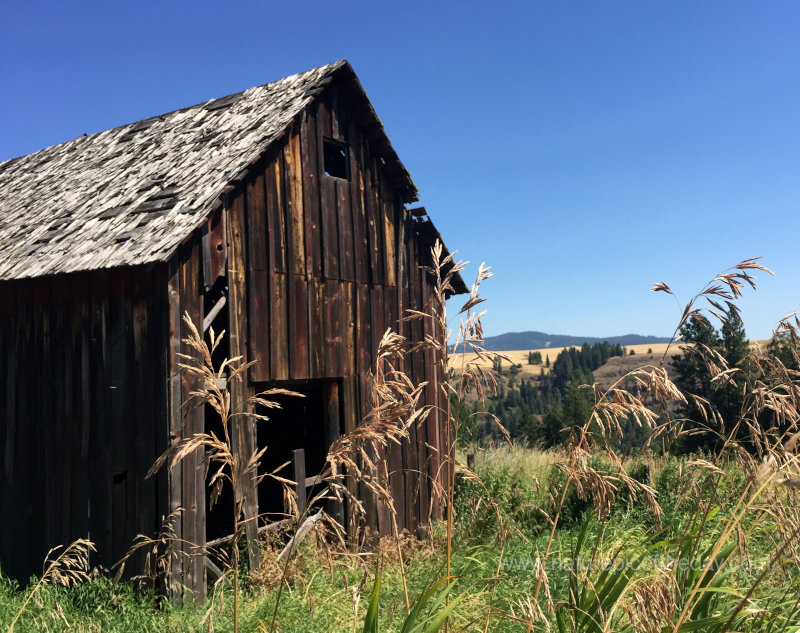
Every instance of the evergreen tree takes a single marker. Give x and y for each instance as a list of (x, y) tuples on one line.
[(734, 348), (692, 376), (550, 433), (786, 349), (577, 406)]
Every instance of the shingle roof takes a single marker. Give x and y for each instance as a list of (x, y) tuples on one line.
[(130, 195)]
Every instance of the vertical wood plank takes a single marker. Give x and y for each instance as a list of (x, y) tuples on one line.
[(298, 328), (299, 476), (378, 317), (100, 437), (389, 224), (316, 327), (333, 430), (333, 328), (364, 330), (257, 278), (344, 208), (333, 101), (349, 308), (175, 474), (417, 333), (194, 497), (311, 191), (352, 410), (391, 315), (217, 243), (294, 204), (434, 423), (372, 216), (344, 214), (17, 508), (328, 197), (397, 485), (279, 327), (44, 408), (276, 214), (244, 432), (330, 230), (365, 494), (76, 321), (146, 335), (360, 243), (10, 334)]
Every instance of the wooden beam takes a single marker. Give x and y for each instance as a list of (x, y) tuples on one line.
[(212, 314)]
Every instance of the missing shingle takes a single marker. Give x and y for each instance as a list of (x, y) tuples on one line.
[(159, 204), (114, 211), (224, 102)]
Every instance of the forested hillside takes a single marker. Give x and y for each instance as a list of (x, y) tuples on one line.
[(541, 340), (541, 409)]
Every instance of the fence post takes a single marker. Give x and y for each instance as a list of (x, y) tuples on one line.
[(299, 474)]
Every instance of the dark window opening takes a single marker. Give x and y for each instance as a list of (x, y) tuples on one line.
[(336, 160)]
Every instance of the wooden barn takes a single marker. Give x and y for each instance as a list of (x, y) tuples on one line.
[(277, 214)]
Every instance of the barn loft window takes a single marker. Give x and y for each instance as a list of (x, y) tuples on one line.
[(336, 160)]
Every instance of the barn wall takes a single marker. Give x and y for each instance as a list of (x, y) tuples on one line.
[(186, 481), (83, 405), (319, 268)]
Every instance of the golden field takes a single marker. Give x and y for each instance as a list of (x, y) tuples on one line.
[(520, 356)]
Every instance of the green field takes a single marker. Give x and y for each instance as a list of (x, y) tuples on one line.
[(504, 519)]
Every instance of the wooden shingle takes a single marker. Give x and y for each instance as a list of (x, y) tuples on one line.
[(131, 195)]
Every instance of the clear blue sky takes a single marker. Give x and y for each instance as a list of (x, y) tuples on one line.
[(584, 150)]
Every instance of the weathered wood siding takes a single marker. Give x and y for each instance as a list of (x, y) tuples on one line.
[(186, 481), (83, 404), (319, 268)]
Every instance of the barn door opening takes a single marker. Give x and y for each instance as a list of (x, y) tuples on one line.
[(310, 423)]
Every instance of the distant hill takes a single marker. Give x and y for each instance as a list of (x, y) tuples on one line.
[(540, 340)]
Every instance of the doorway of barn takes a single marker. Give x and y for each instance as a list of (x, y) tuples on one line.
[(311, 423)]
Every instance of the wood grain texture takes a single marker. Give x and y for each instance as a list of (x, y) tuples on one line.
[(243, 427), (258, 304)]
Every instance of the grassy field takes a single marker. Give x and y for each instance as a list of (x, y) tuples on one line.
[(583, 539), (504, 524)]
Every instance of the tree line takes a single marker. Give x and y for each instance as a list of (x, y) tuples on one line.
[(542, 411), (538, 411)]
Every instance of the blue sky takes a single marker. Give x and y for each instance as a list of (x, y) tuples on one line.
[(584, 150)]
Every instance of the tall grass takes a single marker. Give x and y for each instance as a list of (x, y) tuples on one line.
[(585, 539)]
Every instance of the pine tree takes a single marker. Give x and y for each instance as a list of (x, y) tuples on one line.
[(693, 376)]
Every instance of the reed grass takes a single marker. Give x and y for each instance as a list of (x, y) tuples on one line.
[(497, 561)]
